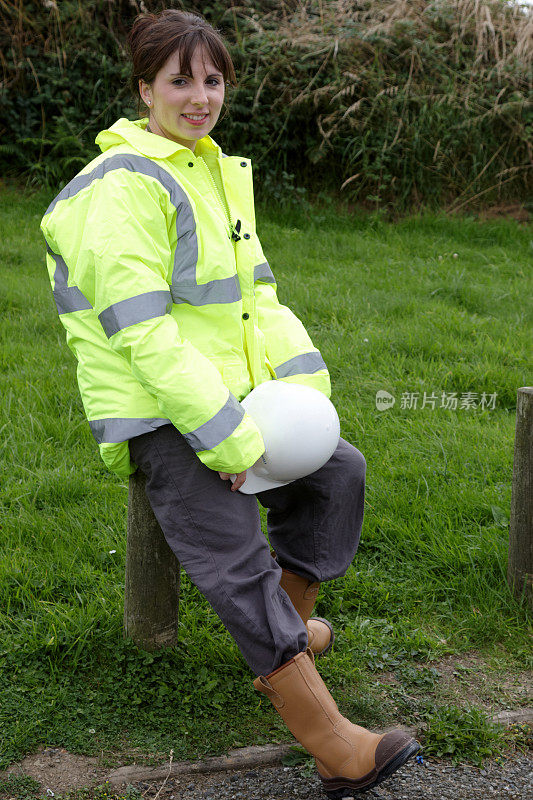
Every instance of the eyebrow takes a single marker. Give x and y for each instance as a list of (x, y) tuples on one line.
[(183, 75)]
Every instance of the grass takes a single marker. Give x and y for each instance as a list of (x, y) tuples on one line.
[(428, 304), (24, 788)]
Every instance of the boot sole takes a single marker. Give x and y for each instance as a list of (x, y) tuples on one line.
[(337, 788), (330, 645)]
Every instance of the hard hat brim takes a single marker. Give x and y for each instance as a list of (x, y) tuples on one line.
[(254, 483)]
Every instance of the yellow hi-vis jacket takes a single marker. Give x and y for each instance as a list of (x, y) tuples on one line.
[(169, 304)]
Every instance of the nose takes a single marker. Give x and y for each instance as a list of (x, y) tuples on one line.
[(198, 94)]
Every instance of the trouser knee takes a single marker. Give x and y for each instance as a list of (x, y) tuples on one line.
[(346, 507)]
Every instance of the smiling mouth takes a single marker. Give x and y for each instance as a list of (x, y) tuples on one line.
[(195, 117)]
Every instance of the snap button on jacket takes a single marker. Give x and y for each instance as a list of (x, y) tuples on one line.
[(168, 302)]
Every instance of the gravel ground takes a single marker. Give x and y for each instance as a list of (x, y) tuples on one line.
[(430, 780)]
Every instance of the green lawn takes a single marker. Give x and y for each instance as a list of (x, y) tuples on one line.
[(426, 305)]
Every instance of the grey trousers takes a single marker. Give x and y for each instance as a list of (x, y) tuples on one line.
[(314, 525)]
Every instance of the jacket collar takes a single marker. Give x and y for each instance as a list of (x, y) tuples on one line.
[(149, 144)]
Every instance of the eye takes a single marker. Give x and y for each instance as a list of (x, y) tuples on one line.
[(181, 81)]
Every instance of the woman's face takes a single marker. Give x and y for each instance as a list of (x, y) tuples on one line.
[(173, 97)]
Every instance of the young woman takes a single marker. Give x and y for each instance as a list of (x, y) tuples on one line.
[(171, 310)]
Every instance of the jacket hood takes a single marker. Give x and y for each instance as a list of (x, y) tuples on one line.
[(133, 133)]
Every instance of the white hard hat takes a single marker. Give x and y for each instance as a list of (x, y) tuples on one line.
[(300, 429)]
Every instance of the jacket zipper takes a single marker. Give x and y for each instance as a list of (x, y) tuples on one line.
[(233, 229), (221, 203)]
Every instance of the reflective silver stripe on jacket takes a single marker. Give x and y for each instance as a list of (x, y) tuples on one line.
[(118, 429), (68, 298), (224, 290), (262, 272), (186, 253), (207, 436), (218, 428), (305, 363), (135, 309)]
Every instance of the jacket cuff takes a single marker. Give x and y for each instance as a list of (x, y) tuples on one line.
[(238, 452)]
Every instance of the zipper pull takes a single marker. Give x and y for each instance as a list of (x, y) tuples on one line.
[(235, 233)]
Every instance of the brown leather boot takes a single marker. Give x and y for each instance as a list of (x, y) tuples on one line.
[(303, 594), (348, 758)]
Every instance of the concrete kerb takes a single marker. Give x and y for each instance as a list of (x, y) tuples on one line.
[(256, 756)]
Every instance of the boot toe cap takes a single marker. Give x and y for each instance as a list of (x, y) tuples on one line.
[(321, 636), (393, 744)]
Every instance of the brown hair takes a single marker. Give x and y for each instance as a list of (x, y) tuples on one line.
[(155, 37)]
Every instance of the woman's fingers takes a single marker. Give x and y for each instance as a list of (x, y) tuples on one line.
[(238, 482)]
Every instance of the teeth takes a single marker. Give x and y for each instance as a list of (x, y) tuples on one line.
[(195, 116)]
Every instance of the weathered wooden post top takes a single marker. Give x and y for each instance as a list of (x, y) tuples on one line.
[(520, 564), (151, 597)]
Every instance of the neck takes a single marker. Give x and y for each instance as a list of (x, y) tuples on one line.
[(154, 127)]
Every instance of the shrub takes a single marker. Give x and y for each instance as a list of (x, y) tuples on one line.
[(393, 103)]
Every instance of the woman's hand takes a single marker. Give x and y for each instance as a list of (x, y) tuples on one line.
[(238, 482)]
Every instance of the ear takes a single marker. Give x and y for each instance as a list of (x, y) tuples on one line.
[(145, 92)]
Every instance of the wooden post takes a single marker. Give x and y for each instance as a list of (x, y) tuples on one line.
[(520, 564), (151, 598)]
